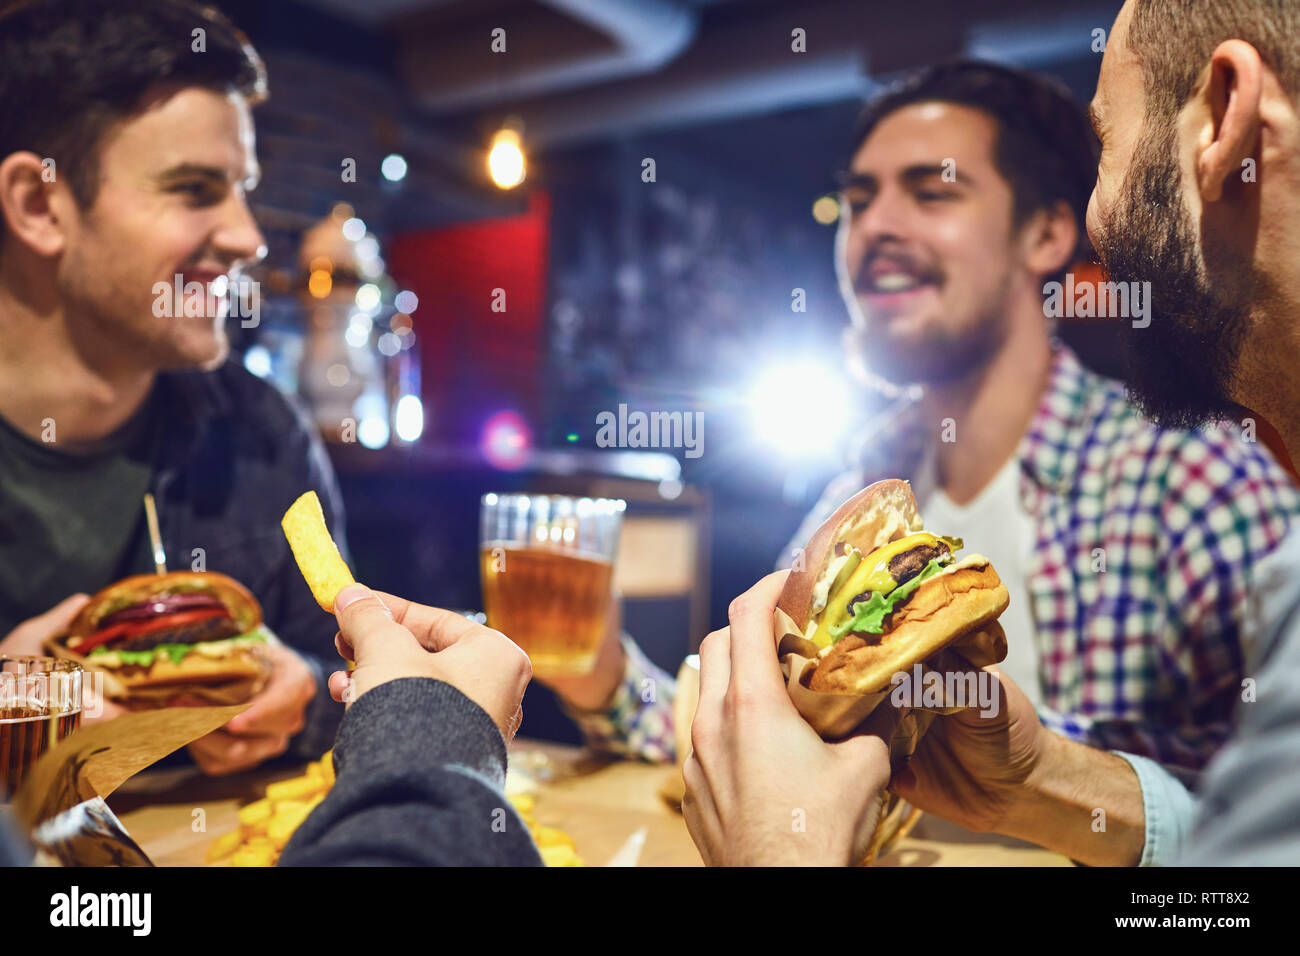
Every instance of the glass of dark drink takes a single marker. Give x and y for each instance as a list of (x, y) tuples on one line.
[(547, 563), (40, 704)]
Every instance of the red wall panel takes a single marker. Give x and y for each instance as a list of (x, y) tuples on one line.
[(475, 361)]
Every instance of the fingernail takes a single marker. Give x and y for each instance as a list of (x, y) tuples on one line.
[(350, 595)]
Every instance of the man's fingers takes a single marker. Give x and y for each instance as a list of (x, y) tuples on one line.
[(700, 811), (340, 684), (515, 723), (343, 647), (361, 616), (60, 616), (435, 628), (220, 753), (276, 710), (715, 666), (279, 708), (866, 757), (754, 665), (904, 780), (28, 638), (399, 606)]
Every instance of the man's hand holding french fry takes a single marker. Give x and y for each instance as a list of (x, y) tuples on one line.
[(387, 637)]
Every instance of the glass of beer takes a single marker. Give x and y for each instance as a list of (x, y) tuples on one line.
[(547, 563), (40, 704)]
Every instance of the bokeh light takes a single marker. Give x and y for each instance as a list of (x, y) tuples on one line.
[(826, 210), (506, 440), (393, 167), (506, 159)]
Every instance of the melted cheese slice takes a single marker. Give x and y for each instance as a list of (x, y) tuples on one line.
[(870, 574)]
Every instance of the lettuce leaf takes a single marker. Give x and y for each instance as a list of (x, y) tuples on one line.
[(869, 615), (175, 651)]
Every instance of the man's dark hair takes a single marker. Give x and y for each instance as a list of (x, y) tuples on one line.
[(1046, 150), (71, 69), (1173, 40)]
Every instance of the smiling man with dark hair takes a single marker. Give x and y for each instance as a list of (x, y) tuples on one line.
[(126, 156)]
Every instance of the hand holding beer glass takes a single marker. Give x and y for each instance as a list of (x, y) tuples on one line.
[(548, 563), (40, 704)]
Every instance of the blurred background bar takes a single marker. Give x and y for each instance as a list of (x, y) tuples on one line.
[(468, 265)]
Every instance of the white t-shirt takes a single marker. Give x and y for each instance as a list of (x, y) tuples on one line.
[(994, 525)]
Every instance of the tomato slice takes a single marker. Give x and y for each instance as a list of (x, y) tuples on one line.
[(138, 628)]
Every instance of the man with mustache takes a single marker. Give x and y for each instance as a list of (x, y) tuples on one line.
[(1198, 193), (1128, 549)]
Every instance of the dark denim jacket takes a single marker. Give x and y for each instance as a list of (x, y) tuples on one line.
[(234, 455)]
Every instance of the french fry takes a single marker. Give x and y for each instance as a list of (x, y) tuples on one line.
[(283, 825), (522, 802), (559, 856), (254, 856), (315, 551), (553, 837), (224, 845), (255, 813), (296, 788)]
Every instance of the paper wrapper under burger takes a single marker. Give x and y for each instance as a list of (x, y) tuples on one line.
[(221, 694), (836, 716)]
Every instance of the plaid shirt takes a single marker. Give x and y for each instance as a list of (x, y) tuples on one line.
[(1145, 656)]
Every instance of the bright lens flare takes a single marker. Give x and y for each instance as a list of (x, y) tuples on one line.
[(801, 410), (506, 159)]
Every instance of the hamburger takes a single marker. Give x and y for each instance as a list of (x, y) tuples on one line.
[(875, 594), (181, 630)]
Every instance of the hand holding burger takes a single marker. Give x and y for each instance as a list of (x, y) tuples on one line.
[(160, 636), (762, 788), (263, 731), (188, 638), (876, 594)]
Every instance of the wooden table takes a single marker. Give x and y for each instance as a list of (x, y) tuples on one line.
[(176, 814)]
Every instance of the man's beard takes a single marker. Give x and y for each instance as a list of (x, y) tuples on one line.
[(938, 357), (1182, 365)]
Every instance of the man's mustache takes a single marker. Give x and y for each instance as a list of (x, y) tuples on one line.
[(924, 269)]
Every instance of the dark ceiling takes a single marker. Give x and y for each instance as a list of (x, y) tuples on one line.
[(578, 70)]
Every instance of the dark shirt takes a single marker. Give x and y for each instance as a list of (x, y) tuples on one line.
[(229, 455), (71, 520), (420, 770)]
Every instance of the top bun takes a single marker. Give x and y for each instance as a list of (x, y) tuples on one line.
[(141, 587), (876, 515)]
